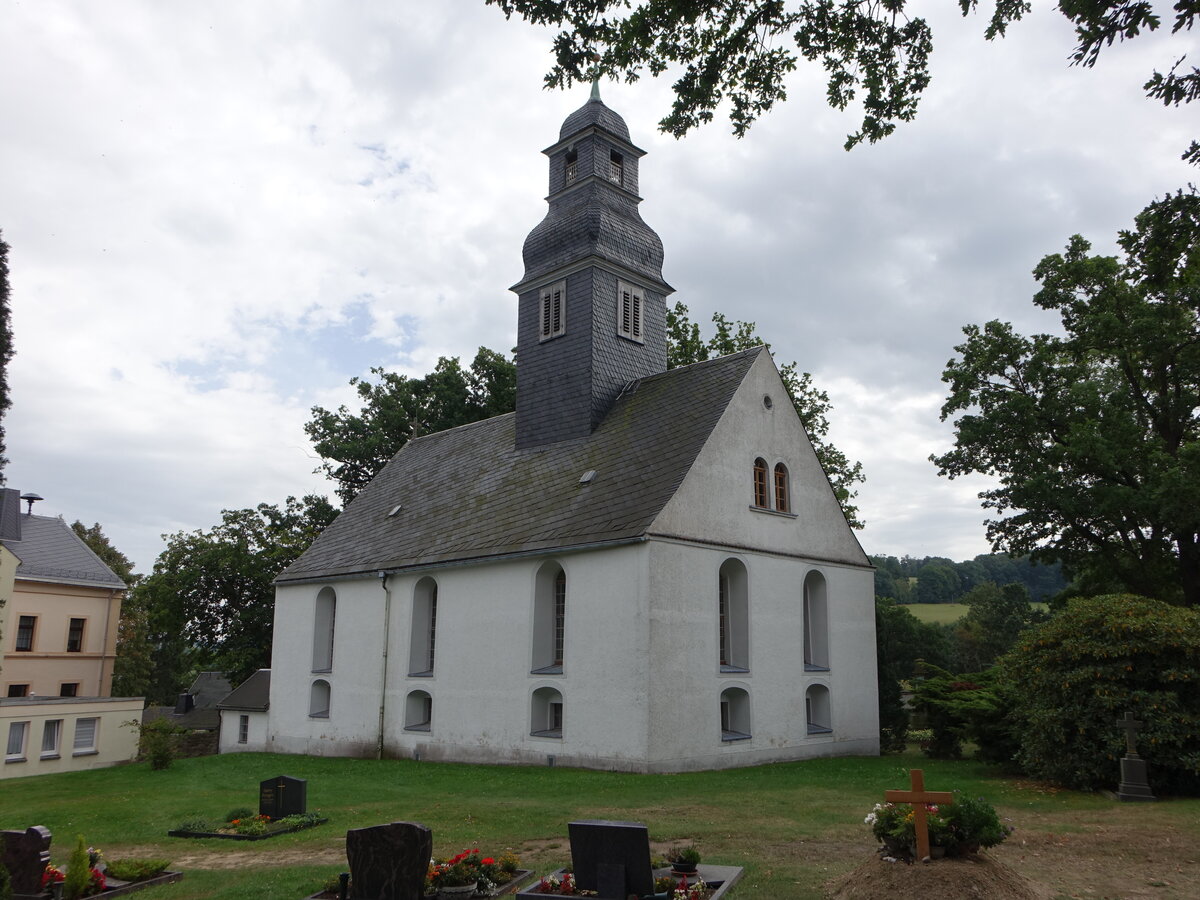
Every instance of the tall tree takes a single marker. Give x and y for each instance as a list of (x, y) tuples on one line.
[(210, 598), (6, 349), (1094, 435), (741, 50), (99, 544), (685, 346)]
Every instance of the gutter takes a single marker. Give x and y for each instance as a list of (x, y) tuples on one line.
[(383, 685)]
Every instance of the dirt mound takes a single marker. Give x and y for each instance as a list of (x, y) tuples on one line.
[(963, 878)]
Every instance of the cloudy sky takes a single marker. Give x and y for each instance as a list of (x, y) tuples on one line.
[(220, 212)]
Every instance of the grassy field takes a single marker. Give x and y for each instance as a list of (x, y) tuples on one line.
[(940, 613), (793, 826)]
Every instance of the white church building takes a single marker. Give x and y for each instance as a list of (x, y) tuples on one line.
[(640, 569)]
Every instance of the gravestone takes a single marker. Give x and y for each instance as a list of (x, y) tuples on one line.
[(611, 858), (389, 862), (26, 854), (1134, 783), (282, 796), (918, 797)]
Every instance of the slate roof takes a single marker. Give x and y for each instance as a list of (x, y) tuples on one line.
[(467, 493), (594, 112), (253, 693), (50, 551)]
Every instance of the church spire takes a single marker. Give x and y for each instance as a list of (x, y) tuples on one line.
[(592, 302)]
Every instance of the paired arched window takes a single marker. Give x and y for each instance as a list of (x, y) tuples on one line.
[(816, 709), (546, 713), (549, 619), (735, 714), (323, 622), (782, 498), (816, 623), (772, 485), (760, 484), (418, 711), (733, 617), (318, 699), (423, 641)]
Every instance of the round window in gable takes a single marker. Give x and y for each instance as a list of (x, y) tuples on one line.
[(767, 401)]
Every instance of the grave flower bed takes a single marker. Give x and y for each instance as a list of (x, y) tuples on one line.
[(114, 879), (955, 829), (244, 825)]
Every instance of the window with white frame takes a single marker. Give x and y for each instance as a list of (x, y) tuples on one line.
[(319, 699), (85, 736), (324, 619), (549, 619), (735, 714), (243, 729), (51, 738), (423, 640), (733, 617), (16, 742), (629, 312), (546, 713), (816, 623), (418, 711), (553, 311)]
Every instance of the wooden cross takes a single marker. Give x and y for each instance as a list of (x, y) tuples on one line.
[(1131, 725), (918, 797)]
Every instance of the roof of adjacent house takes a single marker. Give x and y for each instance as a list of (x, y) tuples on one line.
[(50, 550), (467, 493), (253, 693)]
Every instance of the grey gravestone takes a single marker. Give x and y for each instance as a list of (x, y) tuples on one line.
[(282, 796), (1134, 784), (26, 854), (389, 862), (611, 858)]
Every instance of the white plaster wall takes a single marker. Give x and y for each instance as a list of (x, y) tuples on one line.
[(116, 742), (256, 737)]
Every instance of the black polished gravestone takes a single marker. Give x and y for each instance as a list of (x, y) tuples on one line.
[(611, 858), (389, 862), (282, 796), (25, 854)]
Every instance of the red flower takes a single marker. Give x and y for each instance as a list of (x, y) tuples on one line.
[(488, 861)]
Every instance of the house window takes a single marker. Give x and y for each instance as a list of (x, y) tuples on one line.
[(16, 742), (733, 620), (243, 729), (85, 736), (75, 636), (318, 699), (549, 619), (424, 628), (760, 484), (571, 167), (629, 312), (735, 714), (816, 624), (418, 711), (69, 689), (323, 624), (616, 167), (554, 311), (18, 690), (546, 713), (51, 738), (25, 625), (782, 502), (816, 709)]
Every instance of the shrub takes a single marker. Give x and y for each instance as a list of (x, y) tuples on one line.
[(158, 742), (1072, 678), (200, 826), (241, 812), (81, 879), (137, 869)]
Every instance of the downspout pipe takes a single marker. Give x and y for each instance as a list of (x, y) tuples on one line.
[(383, 681)]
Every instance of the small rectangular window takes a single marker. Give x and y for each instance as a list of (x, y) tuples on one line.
[(616, 167), (629, 312), (69, 689), (554, 311), (16, 742), (18, 690), (25, 626), (75, 636), (571, 167), (85, 736), (243, 729), (51, 735)]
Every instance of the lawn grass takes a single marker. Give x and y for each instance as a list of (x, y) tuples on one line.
[(762, 818), (938, 613)]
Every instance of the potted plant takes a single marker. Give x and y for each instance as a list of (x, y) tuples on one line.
[(684, 860)]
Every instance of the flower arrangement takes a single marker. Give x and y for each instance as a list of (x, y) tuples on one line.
[(470, 867), (96, 881), (684, 858), (52, 875), (556, 884), (961, 827), (697, 890)]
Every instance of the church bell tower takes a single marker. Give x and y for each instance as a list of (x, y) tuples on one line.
[(591, 311)]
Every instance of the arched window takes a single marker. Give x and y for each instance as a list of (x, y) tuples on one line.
[(816, 624), (318, 699), (782, 500), (760, 484), (733, 618), (323, 622), (735, 714), (418, 711), (549, 619), (816, 709), (424, 628), (546, 713)]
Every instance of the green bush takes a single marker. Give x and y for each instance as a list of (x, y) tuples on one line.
[(78, 882), (137, 869), (241, 812), (158, 742), (1071, 679), (199, 826)]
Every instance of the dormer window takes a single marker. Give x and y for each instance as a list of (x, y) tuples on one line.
[(554, 311), (616, 167), (629, 312), (571, 167)]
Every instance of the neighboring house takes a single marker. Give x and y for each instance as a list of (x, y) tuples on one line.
[(244, 715), (59, 641), (639, 569), (196, 712)]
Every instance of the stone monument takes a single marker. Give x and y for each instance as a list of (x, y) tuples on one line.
[(1134, 784)]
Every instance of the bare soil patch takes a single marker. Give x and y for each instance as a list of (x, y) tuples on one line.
[(963, 878)]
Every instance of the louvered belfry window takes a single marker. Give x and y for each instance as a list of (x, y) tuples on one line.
[(629, 312), (554, 311)]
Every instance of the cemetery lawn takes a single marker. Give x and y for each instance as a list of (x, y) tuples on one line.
[(793, 826)]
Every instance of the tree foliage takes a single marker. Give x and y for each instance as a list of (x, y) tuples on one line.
[(995, 617), (743, 51), (1072, 678), (6, 349), (901, 641), (685, 346), (1094, 434), (99, 544), (211, 599)]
